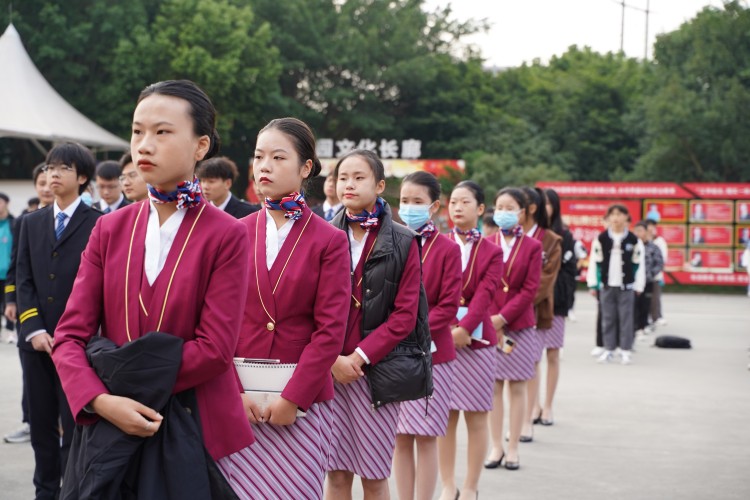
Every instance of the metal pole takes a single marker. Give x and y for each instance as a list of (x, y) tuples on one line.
[(622, 28), (645, 44)]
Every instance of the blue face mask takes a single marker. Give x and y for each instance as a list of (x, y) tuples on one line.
[(505, 219), (86, 198), (414, 216)]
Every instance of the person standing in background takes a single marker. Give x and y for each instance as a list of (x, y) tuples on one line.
[(6, 250), (133, 185), (109, 188), (216, 176), (656, 314), (332, 204), (653, 264)]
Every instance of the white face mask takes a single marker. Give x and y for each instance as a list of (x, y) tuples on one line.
[(414, 216)]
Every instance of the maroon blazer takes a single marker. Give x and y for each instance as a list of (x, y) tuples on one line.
[(479, 288), (441, 275), (521, 276), (201, 302), (307, 312)]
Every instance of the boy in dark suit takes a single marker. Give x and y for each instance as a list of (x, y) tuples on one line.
[(216, 176), (109, 188), (50, 245)]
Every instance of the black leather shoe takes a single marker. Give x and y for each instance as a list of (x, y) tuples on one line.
[(513, 465), (538, 419), (494, 464), (547, 422), (526, 439)]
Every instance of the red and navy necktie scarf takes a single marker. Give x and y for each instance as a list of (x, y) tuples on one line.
[(368, 220), (292, 205), (516, 231), (187, 194), (472, 235), (427, 230)]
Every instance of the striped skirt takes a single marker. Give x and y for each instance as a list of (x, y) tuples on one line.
[(411, 416), (363, 438), (473, 383), (519, 364), (555, 336), (285, 462)]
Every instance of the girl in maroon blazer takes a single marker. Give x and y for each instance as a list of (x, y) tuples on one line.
[(384, 295), (297, 304), (474, 338), (513, 318), (172, 264), (441, 275)]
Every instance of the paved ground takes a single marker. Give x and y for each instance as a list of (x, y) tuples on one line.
[(675, 424)]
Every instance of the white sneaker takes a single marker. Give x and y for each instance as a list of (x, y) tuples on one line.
[(597, 351), (605, 357), (649, 329), (572, 315), (22, 435), (625, 357), (661, 322)]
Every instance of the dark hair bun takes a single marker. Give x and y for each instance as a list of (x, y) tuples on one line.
[(316, 167)]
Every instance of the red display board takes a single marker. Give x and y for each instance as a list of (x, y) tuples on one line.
[(675, 259), (711, 211), (742, 236), (673, 234), (708, 278), (718, 190), (665, 210), (742, 213), (618, 189), (585, 218), (710, 235), (700, 259)]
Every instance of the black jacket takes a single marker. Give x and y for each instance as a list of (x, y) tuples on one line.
[(565, 285), (46, 267), (105, 463), (406, 373), (125, 202), (238, 208)]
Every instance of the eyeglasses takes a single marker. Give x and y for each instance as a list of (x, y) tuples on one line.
[(131, 176), (60, 167)]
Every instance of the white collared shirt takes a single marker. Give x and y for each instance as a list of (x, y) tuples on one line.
[(357, 247), (615, 259), (69, 211), (275, 238), (530, 232), (506, 246), (327, 206), (224, 203), (159, 241), (113, 206), (465, 251)]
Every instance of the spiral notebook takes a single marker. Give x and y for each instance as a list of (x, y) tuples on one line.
[(264, 379)]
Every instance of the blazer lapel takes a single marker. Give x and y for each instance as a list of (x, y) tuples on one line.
[(135, 255), (289, 246), (261, 275), (162, 283), (73, 223)]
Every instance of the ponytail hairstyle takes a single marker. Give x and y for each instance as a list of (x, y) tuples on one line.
[(536, 197), (425, 179), (202, 110), (303, 139), (556, 222)]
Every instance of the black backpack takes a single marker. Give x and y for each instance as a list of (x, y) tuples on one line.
[(672, 342)]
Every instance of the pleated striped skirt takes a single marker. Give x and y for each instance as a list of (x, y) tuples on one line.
[(554, 337), (363, 438), (519, 364), (412, 419), (285, 462), (473, 382)]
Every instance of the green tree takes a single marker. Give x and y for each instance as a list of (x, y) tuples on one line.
[(696, 121)]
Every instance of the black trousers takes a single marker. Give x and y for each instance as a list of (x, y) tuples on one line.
[(24, 396), (643, 306), (48, 410)]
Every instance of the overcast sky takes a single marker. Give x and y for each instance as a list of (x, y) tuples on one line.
[(522, 30)]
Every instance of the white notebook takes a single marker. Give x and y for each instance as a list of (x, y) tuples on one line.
[(264, 380)]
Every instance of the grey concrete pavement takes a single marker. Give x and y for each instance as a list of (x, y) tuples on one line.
[(674, 424)]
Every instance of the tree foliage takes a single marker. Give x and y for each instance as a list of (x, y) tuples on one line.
[(392, 69)]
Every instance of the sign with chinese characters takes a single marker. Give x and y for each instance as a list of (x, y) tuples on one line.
[(714, 260), (708, 235), (673, 234), (401, 168), (717, 190), (408, 149), (675, 259), (742, 236), (618, 189)]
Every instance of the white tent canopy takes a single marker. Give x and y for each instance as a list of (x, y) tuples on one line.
[(31, 109)]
